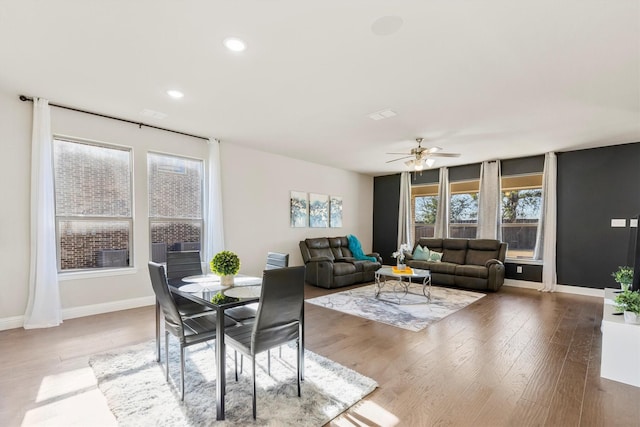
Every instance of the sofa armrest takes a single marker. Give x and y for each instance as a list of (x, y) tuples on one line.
[(408, 256), (491, 262), (376, 255), (495, 278)]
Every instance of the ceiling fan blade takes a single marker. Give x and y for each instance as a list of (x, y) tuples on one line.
[(401, 154), (433, 150), (444, 155), (401, 158)]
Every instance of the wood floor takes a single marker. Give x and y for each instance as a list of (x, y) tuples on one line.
[(514, 358)]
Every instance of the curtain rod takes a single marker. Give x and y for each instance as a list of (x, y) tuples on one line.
[(140, 124)]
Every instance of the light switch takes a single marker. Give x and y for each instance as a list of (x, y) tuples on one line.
[(633, 222), (619, 222)]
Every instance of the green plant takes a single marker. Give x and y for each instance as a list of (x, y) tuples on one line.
[(225, 263), (623, 276), (219, 298), (628, 300)]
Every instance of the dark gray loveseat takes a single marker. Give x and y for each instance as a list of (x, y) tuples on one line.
[(466, 263), (330, 263)]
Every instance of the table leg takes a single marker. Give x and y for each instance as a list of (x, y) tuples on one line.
[(301, 332), (220, 364)]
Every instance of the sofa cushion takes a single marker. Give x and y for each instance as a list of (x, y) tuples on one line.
[(435, 256), (431, 243), (421, 254), (482, 250), (472, 271), (454, 250), (319, 247), (343, 268)]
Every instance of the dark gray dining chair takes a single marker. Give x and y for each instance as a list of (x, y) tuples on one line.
[(188, 331), (277, 321), (247, 313), (180, 265)]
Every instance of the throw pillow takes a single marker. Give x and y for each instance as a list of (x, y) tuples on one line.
[(421, 253), (435, 256)]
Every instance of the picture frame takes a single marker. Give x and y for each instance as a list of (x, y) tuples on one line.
[(335, 211), (299, 209), (318, 210)]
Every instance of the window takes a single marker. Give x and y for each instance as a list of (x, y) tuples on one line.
[(463, 209), (93, 205), (521, 203), (424, 203), (175, 204)]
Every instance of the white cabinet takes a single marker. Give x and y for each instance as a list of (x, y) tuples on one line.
[(620, 345)]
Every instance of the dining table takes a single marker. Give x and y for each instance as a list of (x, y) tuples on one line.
[(201, 289)]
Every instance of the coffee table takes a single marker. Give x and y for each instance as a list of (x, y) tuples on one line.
[(400, 283)]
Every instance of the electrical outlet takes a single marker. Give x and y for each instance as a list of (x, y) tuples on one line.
[(519, 269)]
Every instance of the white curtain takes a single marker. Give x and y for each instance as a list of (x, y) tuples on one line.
[(546, 236), (442, 214), (404, 210), (214, 236), (43, 306), (489, 201)]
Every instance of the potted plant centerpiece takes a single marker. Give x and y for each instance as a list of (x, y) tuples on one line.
[(225, 264), (623, 276), (629, 302)]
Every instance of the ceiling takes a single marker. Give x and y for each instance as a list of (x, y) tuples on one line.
[(487, 79)]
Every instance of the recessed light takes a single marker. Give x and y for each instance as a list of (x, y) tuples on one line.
[(176, 94), (383, 114), (234, 44)]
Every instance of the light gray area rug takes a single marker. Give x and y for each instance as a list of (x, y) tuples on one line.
[(138, 395), (413, 312)]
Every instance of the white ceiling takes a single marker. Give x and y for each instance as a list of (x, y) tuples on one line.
[(488, 79)]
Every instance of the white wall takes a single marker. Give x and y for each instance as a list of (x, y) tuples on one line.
[(256, 188)]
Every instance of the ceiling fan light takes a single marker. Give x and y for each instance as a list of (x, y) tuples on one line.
[(417, 165)]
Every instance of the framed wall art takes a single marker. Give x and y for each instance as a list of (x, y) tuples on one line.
[(318, 210), (299, 209), (335, 211)]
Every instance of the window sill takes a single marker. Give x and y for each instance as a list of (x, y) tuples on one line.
[(78, 275), (526, 261)]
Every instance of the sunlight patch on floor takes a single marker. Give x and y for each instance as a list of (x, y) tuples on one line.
[(69, 399), (366, 413)]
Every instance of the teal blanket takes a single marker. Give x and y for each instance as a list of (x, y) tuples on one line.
[(356, 249)]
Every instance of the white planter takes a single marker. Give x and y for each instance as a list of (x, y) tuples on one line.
[(631, 317), (226, 280)]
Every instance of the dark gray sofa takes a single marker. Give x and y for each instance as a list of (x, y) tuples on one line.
[(330, 263), (466, 263)]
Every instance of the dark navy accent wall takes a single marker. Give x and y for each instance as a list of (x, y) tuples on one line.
[(386, 201), (595, 186)]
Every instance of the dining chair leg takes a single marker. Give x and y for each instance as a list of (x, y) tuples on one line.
[(235, 362), (253, 369), (166, 353), (182, 349), (241, 362), (157, 331), (298, 360), (269, 362)]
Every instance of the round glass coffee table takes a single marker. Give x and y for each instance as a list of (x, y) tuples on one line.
[(400, 282)]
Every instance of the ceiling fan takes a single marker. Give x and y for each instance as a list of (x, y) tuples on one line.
[(422, 156)]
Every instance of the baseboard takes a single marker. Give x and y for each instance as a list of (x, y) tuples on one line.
[(567, 289), (86, 310)]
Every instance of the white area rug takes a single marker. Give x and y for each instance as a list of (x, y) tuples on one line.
[(138, 395), (413, 313)]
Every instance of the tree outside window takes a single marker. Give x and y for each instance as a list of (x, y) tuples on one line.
[(521, 205)]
